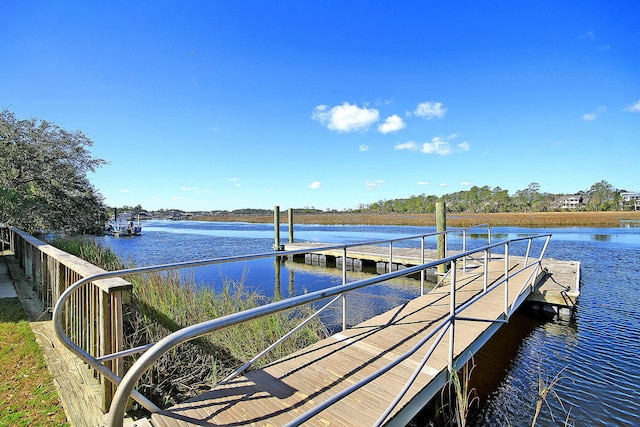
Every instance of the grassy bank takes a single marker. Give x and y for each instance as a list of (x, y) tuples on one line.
[(515, 219), (28, 396)]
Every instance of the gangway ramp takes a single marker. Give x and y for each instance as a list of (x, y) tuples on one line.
[(280, 392)]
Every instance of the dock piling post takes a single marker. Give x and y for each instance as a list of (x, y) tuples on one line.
[(441, 227), (276, 228), (290, 225)]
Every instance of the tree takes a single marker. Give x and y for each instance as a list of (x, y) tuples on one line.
[(602, 197), (43, 177), (529, 199), (500, 200)]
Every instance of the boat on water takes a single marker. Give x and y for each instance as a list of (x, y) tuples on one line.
[(122, 227)]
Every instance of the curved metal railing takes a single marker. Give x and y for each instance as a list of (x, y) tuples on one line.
[(194, 331), (189, 333)]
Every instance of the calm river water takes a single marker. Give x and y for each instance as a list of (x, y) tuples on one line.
[(597, 351)]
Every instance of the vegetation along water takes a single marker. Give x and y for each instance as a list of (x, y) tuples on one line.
[(595, 352)]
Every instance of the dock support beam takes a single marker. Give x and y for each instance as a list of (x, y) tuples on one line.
[(441, 227)]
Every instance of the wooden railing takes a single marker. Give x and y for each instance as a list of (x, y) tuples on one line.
[(92, 315)]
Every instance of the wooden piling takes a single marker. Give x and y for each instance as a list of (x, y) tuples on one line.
[(290, 225), (276, 227)]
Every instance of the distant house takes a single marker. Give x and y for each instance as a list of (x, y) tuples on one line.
[(629, 200), (570, 201)]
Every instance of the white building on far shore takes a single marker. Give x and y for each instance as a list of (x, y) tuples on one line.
[(630, 200)]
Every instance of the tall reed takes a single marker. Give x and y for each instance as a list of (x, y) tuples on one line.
[(508, 219), (162, 303)]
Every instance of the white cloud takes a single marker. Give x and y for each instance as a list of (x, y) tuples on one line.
[(392, 124), (189, 188), (589, 35), (430, 110), (592, 116), (422, 182), (315, 185), (345, 117), (444, 184), (125, 191), (374, 184), (232, 179), (635, 108), (463, 146), (364, 147), (410, 145), (438, 145), (466, 183)]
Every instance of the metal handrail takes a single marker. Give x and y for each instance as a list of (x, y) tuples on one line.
[(96, 363), (128, 382), (445, 325)]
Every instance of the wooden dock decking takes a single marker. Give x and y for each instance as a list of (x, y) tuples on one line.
[(278, 393), (560, 287)]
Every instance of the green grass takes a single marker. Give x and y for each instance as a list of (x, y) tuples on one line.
[(28, 396)]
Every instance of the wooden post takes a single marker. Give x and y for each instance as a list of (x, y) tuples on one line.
[(276, 227), (441, 226), (290, 225), (277, 291)]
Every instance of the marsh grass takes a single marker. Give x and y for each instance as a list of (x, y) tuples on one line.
[(88, 250), (162, 303), (508, 219), (457, 398), (546, 388)]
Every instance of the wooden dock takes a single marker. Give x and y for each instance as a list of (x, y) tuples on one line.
[(278, 393), (559, 288)]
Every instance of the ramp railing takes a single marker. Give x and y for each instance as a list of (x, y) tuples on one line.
[(154, 351)]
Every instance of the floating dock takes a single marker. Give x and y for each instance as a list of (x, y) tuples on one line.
[(559, 288)]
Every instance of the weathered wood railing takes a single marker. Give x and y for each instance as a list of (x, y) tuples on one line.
[(92, 315)]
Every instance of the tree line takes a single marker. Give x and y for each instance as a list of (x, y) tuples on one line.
[(601, 196)]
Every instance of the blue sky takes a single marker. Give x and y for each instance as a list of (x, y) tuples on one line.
[(206, 105)]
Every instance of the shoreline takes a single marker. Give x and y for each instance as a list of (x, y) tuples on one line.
[(510, 219)]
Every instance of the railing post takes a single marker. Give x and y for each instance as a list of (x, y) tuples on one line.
[(486, 270), (105, 346), (344, 296), (464, 249), (422, 272), (452, 315), (506, 280)]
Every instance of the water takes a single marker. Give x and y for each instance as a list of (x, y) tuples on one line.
[(596, 353)]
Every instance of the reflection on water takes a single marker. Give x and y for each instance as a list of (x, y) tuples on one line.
[(597, 352), (602, 237)]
